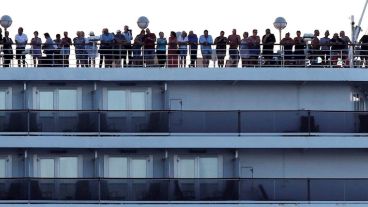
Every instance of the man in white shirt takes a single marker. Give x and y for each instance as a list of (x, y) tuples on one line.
[(183, 49), (128, 37), (21, 42)]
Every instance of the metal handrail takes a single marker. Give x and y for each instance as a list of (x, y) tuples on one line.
[(138, 56), (52, 190), (101, 122)]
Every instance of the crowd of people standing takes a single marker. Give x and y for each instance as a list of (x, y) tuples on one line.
[(120, 49)]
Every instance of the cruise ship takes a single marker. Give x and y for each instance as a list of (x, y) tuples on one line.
[(264, 135)]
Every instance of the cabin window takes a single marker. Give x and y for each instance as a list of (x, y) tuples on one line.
[(62, 167), (128, 167), (198, 166)]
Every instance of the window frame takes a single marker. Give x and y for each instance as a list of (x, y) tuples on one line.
[(37, 101), (149, 165), (37, 167), (128, 98), (8, 165), (197, 164), (359, 102), (8, 97)]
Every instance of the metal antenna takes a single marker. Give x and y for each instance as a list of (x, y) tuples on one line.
[(358, 29)]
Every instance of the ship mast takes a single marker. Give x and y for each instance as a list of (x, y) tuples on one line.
[(357, 29)]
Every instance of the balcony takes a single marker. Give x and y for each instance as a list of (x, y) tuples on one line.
[(238, 123), (97, 190)]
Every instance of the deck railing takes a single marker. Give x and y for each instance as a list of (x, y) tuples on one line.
[(139, 56), (101, 123), (97, 190)]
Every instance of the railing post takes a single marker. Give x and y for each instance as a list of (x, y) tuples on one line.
[(342, 60), (238, 186), (29, 189), (239, 123), (28, 122), (99, 189), (345, 190), (274, 190), (168, 122), (309, 123), (308, 190), (330, 58), (143, 53), (99, 122)]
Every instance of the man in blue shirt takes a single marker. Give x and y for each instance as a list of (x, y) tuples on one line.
[(107, 40), (128, 37), (206, 42), (193, 46), (119, 49)]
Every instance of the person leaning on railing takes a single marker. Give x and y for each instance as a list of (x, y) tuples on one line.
[(287, 42), (80, 51), (244, 50), (268, 41), (315, 46), (345, 51), (21, 41), (206, 41), (7, 49), (161, 50), (193, 48), (325, 47), (137, 49), (65, 49), (299, 53), (337, 45), (106, 48), (49, 48), (58, 56), (234, 41), (149, 48), (36, 52), (221, 42), (118, 53), (128, 37), (183, 49), (172, 54), (255, 47), (91, 48)]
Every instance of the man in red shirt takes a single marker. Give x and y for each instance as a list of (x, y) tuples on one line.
[(149, 48)]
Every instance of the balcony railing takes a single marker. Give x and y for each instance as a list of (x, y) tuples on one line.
[(33, 190), (101, 123), (121, 56)]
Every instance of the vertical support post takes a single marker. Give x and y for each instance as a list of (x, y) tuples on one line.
[(28, 180), (97, 164), (330, 58), (28, 122), (99, 122), (280, 38), (99, 189), (25, 101), (239, 123), (143, 53), (26, 174), (309, 123), (308, 190)]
